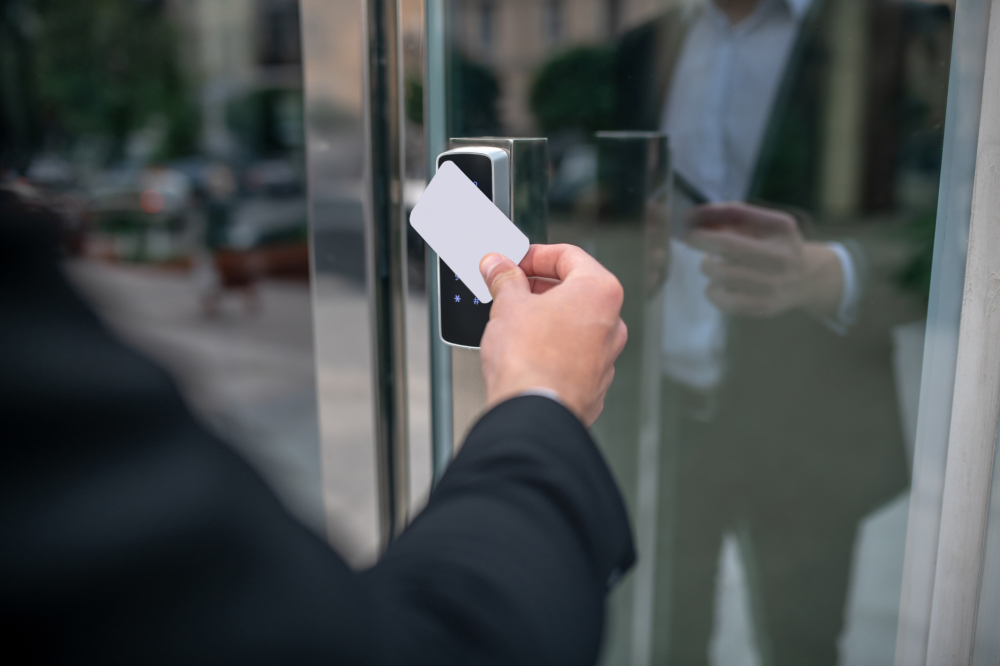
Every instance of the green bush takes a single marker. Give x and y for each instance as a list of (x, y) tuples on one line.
[(107, 68), (474, 94), (575, 90)]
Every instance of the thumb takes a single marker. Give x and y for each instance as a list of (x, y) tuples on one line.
[(503, 276)]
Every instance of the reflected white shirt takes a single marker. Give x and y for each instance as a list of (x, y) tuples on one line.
[(716, 114)]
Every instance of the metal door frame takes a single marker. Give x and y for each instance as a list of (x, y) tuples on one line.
[(973, 429)]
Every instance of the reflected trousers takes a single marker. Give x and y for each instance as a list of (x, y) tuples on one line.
[(796, 549)]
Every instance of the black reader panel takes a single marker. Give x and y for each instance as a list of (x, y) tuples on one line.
[(463, 317)]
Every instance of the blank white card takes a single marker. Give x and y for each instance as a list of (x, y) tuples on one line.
[(462, 225)]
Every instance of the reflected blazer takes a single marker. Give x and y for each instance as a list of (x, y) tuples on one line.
[(791, 383)]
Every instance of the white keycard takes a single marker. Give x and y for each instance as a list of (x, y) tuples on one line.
[(462, 225)]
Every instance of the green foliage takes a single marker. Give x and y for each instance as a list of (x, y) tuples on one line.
[(268, 121), (183, 129), (123, 222), (575, 90), (20, 127), (474, 94), (107, 67), (916, 273), (414, 101)]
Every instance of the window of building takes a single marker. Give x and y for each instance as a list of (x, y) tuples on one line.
[(487, 25), (552, 21)]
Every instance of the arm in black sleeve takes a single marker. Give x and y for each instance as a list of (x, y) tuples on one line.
[(132, 535), (543, 535)]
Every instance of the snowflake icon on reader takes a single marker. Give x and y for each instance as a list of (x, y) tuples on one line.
[(458, 299)]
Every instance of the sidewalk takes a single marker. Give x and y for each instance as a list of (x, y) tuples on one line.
[(252, 377)]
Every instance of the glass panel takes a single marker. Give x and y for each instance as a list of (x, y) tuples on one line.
[(763, 419), (169, 136)]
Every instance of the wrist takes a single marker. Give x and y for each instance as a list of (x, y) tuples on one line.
[(823, 281), (501, 392), (542, 392)]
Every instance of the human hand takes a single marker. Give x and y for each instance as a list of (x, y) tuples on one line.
[(759, 265), (555, 324)]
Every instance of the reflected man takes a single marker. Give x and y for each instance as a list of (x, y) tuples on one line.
[(778, 315)]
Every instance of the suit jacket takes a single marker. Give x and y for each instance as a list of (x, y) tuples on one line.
[(807, 414), (131, 535)]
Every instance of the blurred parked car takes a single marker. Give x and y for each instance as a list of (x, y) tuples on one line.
[(274, 177)]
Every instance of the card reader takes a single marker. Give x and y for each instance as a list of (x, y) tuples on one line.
[(462, 318)]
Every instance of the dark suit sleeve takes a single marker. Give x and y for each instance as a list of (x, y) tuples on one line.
[(131, 535), (543, 535)]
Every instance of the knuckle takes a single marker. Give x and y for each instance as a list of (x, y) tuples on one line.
[(502, 275), (734, 212), (613, 288)]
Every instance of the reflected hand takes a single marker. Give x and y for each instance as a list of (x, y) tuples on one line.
[(759, 265), (555, 324)]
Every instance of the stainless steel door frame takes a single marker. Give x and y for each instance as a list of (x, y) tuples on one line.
[(960, 387), (385, 249), (972, 436), (435, 129)]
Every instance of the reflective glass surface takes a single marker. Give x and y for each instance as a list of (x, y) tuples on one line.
[(169, 136), (762, 176)]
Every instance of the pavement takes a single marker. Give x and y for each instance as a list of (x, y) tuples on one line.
[(251, 374)]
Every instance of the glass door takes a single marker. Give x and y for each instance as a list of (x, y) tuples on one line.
[(784, 188), (763, 177)]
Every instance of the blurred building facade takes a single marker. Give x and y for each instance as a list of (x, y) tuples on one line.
[(235, 48)]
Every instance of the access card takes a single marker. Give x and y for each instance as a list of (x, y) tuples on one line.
[(462, 225)]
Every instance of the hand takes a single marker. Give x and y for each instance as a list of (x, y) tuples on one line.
[(759, 265), (554, 324)]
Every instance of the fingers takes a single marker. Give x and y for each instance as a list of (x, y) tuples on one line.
[(570, 264), (765, 255), (541, 285), (503, 278), (743, 218), (558, 262), (733, 277), (739, 303)]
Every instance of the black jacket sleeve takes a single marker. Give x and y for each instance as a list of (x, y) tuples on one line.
[(132, 535)]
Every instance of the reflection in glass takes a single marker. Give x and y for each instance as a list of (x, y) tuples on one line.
[(793, 311)]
